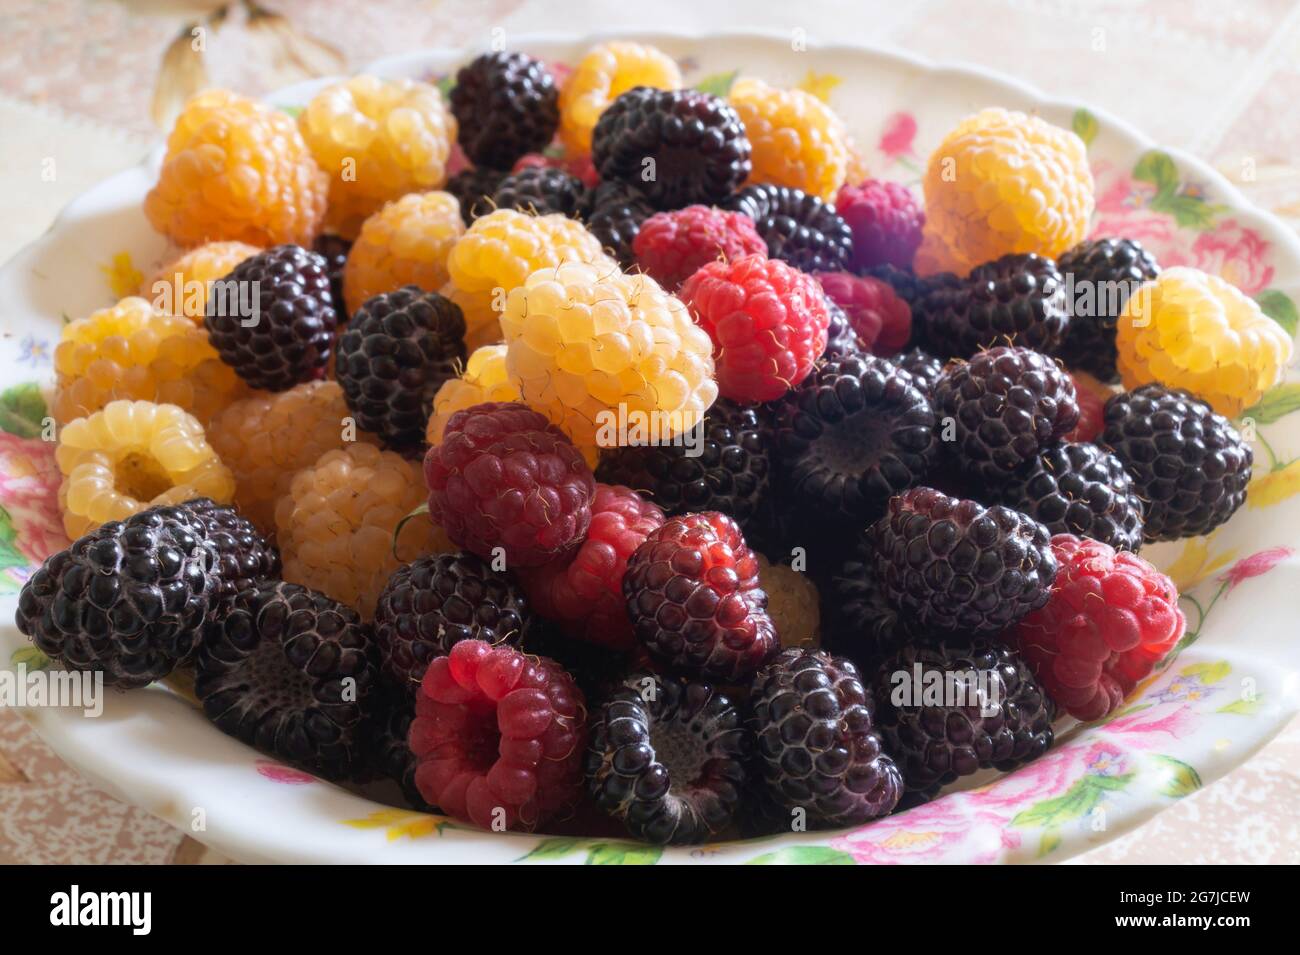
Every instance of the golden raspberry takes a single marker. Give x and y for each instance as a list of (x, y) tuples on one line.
[(607, 71), (1003, 182), (792, 602), (601, 353), (405, 243), (377, 140), (484, 379), (335, 526), (132, 350), (237, 169), (480, 310), (132, 455), (1187, 329), (798, 140), (181, 287)]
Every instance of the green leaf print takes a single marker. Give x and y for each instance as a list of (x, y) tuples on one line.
[(1183, 780), (598, 853), (291, 110), (1277, 403), (717, 84), (1208, 672), (1278, 306), (1242, 707), (804, 855), (22, 409), (1078, 801), (1157, 168), (553, 849), (29, 657), (1084, 125)]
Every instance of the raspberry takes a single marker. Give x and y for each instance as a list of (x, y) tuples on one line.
[(334, 250), (799, 228), (614, 213), (886, 221), (792, 603), (692, 143), (434, 602), (291, 673), (769, 323), (881, 320), (127, 600), (484, 380), (996, 717), (1005, 405), (1111, 618), (1104, 273), (244, 557), (854, 434), (589, 347), (1003, 182), (955, 565), (1190, 465), (539, 190), (239, 170), (605, 73), (668, 757), (337, 523), (818, 748), (1190, 330), (284, 335), (1092, 396), (860, 622), (407, 242), (671, 246), (134, 351), (131, 455), (394, 356), (499, 737), (507, 105), (378, 140), (473, 189), (798, 140), (924, 368), (181, 287), (502, 476), (694, 598)]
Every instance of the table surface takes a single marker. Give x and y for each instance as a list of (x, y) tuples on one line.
[(79, 81)]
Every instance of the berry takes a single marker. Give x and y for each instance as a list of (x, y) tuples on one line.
[(992, 712), (671, 246), (881, 320), (799, 228), (694, 598), (127, 600), (1190, 465), (238, 170), (906, 284), (378, 140), (433, 603), (798, 140), (286, 336), (597, 669), (853, 435), (924, 368), (1079, 489), (502, 476), (1006, 405), (860, 622), (956, 565), (131, 455), (507, 105), (483, 380), (1194, 331), (668, 757), (244, 557), (334, 250), (605, 73), (1111, 618), (841, 340), (473, 189), (792, 603), (614, 213), (1003, 182), (499, 737), (1104, 273), (584, 593), (579, 166), (693, 142), (886, 221), (768, 323), (817, 744), (181, 286), (407, 242), (394, 355), (390, 754), (1092, 396), (539, 190), (291, 673)]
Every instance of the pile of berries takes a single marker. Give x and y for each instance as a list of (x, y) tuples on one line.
[(552, 486)]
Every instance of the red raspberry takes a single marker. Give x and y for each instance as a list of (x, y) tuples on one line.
[(1110, 618), (580, 166), (695, 600), (768, 322), (503, 476), (1092, 396), (886, 221), (585, 593), (498, 736), (880, 318), (672, 245)]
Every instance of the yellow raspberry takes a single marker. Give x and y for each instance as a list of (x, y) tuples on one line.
[(606, 72), (237, 169), (793, 603), (596, 350), (405, 243), (1003, 182), (485, 379), (1187, 329), (132, 455), (480, 311), (132, 350), (798, 140), (377, 140), (181, 287)]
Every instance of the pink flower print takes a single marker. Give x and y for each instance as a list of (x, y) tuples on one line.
[(1235, 253), (29, 493), (283, 774), (899, 132), (951, 829), (1254, 565)]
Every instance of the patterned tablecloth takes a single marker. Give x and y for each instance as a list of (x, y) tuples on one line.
[(81, 82)]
